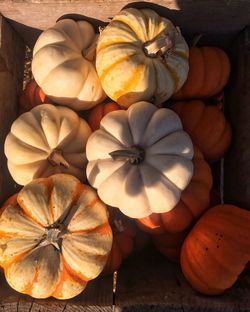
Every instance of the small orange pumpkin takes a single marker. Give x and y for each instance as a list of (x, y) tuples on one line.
[(99, 111), (209, 70), (126, 239), (194, 200), (207, 127), (32, 96), (217, 249), (169, 244)]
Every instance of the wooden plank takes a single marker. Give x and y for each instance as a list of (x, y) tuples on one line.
[(98, 296), (237, 161), (223, 18), (148, 282), (12, 51)]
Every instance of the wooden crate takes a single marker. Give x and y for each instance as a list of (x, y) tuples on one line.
[(146, 282)]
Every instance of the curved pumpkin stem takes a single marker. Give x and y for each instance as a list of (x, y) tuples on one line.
[(196, 39), (135, 155), (162, 43), (56, 159)]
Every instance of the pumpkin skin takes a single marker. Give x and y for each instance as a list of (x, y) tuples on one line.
[(63, 64), (217, 249), (99, 111), (195, 199), (32, 96), (46, 140), (54, 237), (129, 65), (207, 127), (169, 244), (144, 156), (209, 71), (127, 238)]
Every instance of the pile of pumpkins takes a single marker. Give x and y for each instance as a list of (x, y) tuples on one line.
[(153, 125)]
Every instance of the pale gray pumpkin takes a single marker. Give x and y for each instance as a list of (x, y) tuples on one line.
[(140, 160)]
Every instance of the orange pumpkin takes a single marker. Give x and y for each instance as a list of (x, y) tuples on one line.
[(32, 96), (126, 239), (169, 244), (209, 70), (194, 200), (99, 111), (207, 127), (217, 249)]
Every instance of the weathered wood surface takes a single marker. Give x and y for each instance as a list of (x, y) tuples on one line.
[(11, 76), (148, 282), (237, 161), (211, 17)]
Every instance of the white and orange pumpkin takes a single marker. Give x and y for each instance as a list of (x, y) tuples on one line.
[(54, 237)]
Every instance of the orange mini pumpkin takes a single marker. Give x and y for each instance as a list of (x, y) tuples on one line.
[(127, 238), (194, 200), (209, 70), (217, 249), (32, 96), (99, 111), (207, 127)]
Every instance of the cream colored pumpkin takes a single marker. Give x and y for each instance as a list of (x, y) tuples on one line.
[(54, 237), (46, 140), (140, 160), (63, 64), (141, 56)]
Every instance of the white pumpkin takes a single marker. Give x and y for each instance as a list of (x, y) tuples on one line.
[(63, 64), (46, 140), (141, 56), (54, 237), (140, 160)]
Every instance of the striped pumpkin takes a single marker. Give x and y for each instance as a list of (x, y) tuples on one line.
[(54, 237), (141, 56)]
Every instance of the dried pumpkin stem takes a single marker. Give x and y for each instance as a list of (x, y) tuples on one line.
[(161, 44), (56, 159), (135, 155)]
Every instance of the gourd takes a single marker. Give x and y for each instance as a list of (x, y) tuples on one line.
[(141, 155), (63, 64), (217, 249), (207, 127), (195, 199), (141, 56), (209, 71), (32, 96), (98, 112), (46, 140), (54, 237)]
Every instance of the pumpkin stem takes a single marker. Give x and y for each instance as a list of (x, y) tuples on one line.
[(160, 45), (135, 155), (56, 159), (196, 39)]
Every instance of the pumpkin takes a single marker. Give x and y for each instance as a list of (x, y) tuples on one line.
[(217, 249), (207, 127), (127, 238), (63, 64), (54, 237), (194, 200), (98, 112), (140, 160), (31, 96), (46, 140), (141, 56), (169, 244), (209, 71)]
